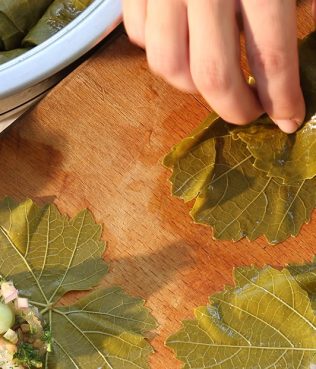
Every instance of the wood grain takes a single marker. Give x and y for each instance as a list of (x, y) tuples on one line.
[(97, 141)]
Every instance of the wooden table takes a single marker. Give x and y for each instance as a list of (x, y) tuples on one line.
[(97, 141)]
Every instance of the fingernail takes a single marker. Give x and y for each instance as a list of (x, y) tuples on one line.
[(287, 125)]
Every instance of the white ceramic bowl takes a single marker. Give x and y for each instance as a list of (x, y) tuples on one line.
[(27, 78)]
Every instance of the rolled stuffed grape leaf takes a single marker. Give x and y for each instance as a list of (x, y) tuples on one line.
[(10, 36), (289, 157), (27, 23), (17, 17), (6, 56), (57, 16), (265, 322), (46, 254)]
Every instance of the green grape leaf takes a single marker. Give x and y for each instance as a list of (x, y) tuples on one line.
[(56, 17), (305, 275), (103, 330), (265, 322), (193, 159), (61, 255), (218, 166), (238, 200), (199, 134), (289, 157), (241, 201), (46, 254)]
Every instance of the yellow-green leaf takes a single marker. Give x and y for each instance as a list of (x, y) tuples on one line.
[(289, 157), (232, 194), (305, 275), (199, 134), (47, 254), (241, 201), (103, 330), (193, 159), (265, 322)]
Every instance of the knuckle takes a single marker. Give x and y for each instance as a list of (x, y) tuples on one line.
[(211, 79), (270, 62)]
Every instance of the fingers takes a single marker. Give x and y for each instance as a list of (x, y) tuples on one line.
[(134, 14), (314, 10), (270, 29), (215, 60), (167, 42), (195, 44)]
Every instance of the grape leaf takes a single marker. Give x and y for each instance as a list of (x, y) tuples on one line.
[(199, 134), (47, 255), (305, 275), (241, 201), (265, 322), (103, 330), (290, 157), (217, 166), (193, 159), (238, 200)]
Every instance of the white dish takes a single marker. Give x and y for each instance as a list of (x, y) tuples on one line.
[(28, 77)]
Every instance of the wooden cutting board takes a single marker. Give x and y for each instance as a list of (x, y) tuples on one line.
[(97, 141)]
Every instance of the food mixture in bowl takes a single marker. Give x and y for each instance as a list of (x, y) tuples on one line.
[(27, 23)]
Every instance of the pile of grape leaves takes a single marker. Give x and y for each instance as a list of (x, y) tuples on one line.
[(266, 321), (253, 180), (46, 255)]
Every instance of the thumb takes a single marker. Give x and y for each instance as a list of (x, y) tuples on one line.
[(314, 10)]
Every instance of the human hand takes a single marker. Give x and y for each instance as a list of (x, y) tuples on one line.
[(194, 45)]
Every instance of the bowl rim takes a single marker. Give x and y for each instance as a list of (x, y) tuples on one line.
[(66, 46)]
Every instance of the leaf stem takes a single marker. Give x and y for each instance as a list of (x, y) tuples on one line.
[(37, 303), (24, 260), (50, 328), (47, 308)]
